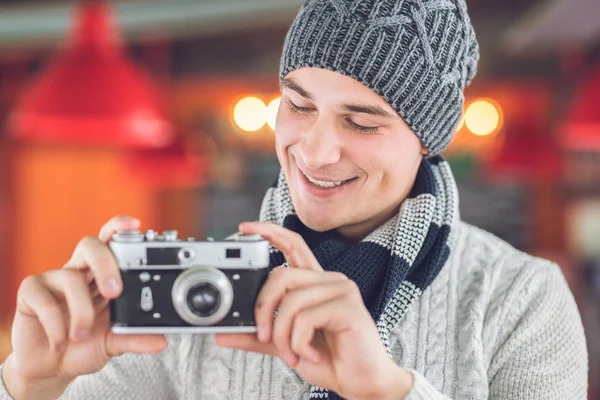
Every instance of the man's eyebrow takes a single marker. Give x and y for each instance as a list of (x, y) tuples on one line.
[(355, 108), (368, 109), (290, 84)]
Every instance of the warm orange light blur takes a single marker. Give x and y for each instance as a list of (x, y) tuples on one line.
[(250, 114), (483, 117), (461, 123), (272, 109)]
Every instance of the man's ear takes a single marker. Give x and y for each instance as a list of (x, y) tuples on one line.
[(424, 151)]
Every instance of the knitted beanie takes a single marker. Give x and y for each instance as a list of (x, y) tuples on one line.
[(419, 55)]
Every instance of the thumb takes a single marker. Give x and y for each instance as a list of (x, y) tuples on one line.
[(117, 345)]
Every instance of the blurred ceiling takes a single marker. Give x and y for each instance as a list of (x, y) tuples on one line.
[(516, 36), (554, 25), (37, 24)]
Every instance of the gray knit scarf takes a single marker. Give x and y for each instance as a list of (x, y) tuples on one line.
[(394, 264)]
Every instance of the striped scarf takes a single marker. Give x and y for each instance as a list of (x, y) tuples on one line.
[(394, 264)]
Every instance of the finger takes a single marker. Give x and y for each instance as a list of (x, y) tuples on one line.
[(280, 281), (94, 291), (245, 342), (117, 345), (71, 284), (100, 304), (291, 244), (92, 253), (35, 300), (293, 303), (120, 222), (334, 316)]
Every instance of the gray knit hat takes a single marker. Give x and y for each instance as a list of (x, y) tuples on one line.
[(419, 55)]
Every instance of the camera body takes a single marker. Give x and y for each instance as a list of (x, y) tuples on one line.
[(187, 286)]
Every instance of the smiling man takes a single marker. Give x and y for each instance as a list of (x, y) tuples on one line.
[(378, 290), (349, 159)]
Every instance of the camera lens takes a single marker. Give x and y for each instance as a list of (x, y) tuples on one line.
[(204, 299), (202, 295)]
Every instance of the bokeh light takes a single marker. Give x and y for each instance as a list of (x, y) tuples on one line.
[(272, 109), (250, 113), (483, 117)]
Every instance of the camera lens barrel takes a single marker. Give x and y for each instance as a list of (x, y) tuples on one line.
[(202, 295)]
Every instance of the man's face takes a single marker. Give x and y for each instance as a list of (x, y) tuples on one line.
[(348, 158)]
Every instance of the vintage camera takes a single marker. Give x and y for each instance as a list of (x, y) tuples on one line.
[(187, 286)]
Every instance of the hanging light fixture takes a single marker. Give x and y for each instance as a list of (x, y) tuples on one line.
[(581, 131), (527, 153), (92, 93), (174, 166)]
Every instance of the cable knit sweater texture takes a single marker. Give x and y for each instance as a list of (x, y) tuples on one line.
[(495, 323)]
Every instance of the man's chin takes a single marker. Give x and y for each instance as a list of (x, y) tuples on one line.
[(317, 221)]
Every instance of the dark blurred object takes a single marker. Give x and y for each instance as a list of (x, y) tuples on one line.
[(481, 204), (582, 125), (92, 93)]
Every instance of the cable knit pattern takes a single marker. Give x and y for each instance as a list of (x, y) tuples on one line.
[(495, 323)]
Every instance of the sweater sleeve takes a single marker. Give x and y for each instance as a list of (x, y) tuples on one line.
[(541, 349), (131, 376), (542, 353), (422, 389)]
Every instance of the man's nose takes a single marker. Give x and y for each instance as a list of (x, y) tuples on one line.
[(320, 148)]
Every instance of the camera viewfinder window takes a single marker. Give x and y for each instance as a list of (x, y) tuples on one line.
[(233, 253)]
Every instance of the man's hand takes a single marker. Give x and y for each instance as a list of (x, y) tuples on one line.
[(322, 327), (61, 328)]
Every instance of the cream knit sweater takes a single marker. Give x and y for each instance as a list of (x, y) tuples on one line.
[(495, 323)]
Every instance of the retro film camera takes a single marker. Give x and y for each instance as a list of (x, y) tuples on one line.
[(187, 286)]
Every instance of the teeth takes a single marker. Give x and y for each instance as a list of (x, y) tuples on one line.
[(323, 184)]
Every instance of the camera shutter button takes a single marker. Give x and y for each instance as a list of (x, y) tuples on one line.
[(128, 236), (146, 301), (170, 235)]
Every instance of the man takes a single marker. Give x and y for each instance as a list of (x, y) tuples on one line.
[(386, 294)]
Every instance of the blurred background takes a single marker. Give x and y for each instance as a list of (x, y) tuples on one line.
[(165, 110)]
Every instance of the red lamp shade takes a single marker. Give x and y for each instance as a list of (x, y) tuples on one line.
[(527, 153), (173, 166), (582, 126), (91, 93)]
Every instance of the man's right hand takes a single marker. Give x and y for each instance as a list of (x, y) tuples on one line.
[(61, 328)]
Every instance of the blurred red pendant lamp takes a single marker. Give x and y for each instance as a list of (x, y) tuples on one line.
[(528, 153), (177, 165), (92, 93), (581, 131)]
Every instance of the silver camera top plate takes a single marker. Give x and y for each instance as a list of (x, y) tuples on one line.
[(136, 250)]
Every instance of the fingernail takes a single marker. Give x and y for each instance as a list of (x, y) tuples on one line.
[(262, 333), (82, 335), (112, 286)]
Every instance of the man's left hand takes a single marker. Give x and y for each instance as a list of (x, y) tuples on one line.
[(322, 329)]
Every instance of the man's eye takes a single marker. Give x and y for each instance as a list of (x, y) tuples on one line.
[(298, 109), (361, 129)]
